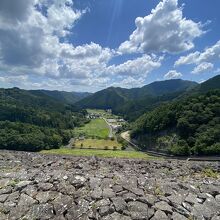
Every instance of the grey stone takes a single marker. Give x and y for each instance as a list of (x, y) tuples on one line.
[(22, 184), (177, 216), (108, 193), (45, 186), (202, 211), (78, 181), (191, 198), (148, 199), (3, 197), (41, 211), (119, 204), (105, 210), (103, 202), (137, 207), (96, 193), (62, 203), (163, 206), (159, 215)]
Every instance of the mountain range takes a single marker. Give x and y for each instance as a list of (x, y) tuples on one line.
[(131, 103)]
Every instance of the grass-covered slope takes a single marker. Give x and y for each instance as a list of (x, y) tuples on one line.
[(30, 120)]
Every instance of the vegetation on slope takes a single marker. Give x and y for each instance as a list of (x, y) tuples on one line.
[(33, 121), (100, 153), (131, 103), (187, 126)]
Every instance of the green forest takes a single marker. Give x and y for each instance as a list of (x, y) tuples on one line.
[(189, 126), (33, 122)]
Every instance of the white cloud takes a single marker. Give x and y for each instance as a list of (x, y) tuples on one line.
[(210, 54), (164, 30), (172, 74), (129, 82), (203, 67), (140, 66)]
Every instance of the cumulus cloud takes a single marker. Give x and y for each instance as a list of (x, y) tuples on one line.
[(203, 67), (31, 44), (172, 74), (210, 54), (140, 66), (164, 30)]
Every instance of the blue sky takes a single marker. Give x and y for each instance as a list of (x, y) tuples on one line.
[(89, 45)]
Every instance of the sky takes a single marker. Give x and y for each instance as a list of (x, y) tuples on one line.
[(89, 45)]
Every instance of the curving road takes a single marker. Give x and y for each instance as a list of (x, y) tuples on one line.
[(126, 136)]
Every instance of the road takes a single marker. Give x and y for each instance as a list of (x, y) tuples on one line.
[(110, 128), (126, 136)]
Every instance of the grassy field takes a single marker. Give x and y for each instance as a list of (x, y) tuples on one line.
[(99, 153), (98, 144), (95, 128)]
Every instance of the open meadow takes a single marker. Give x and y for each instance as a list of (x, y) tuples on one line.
[(99, 153), (97, 144), (96, 128)]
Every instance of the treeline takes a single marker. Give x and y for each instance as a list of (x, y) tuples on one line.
[(188, 126), (33, 122)]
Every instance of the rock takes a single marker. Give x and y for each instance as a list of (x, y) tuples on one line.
[(129, 197), (177, 216), (78, 181), (139, 215), (5, 190), (176, 199), (201, 211), (119, 204), (96, 193), (45, 186), (191, 199), (163, 206), (94, 182), (48, 196), (3, 197), (62, 203), (22, 184), (148, 199), (159, 215), (103, 202), (108, 193), (116, 216), (137, 207), (218, 198), (105, 210), (41, 211), (85, 188)]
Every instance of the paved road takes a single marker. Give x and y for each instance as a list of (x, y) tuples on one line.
[(126, 136), (110, 128)]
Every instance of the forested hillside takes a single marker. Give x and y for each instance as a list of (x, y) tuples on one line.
[(66, 97), (30, 120), (188, 126), (131, 103)]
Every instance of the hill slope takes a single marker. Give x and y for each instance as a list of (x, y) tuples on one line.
[(31, 120), (189, 125), (133, 102), (62, 96)]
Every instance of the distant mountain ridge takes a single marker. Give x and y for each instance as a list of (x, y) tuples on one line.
[(63, 96), (127, 101)]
